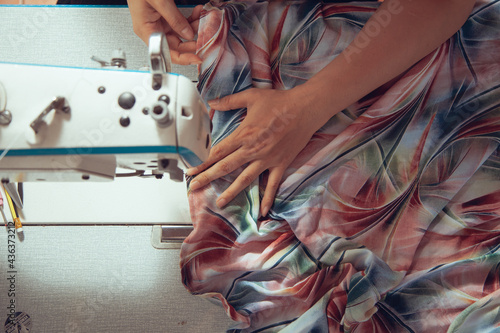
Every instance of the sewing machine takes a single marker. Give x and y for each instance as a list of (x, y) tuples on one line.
[(102, 234), (78, 124)]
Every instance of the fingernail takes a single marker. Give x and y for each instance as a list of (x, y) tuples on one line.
[(194, 185), (214, 102), (197, 62), (221, 202), (190, 171), (264, 210), (187, 33)]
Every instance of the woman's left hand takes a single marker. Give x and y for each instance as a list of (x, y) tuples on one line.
[(149, 16), (276, 128)]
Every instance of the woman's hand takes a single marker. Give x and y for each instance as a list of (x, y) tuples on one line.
[(279, 124), (150, 16), (276, 128)]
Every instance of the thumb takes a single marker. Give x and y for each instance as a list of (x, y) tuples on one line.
[(174, 18), (234, 101)]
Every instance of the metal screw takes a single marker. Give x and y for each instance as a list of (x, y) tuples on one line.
[(145, 110), (164, 98), (158, 110), (101, 90), (164, 163), (124, 121), (5, 117), (126, 100)]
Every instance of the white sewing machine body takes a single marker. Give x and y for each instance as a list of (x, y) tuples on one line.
[(80, 124)]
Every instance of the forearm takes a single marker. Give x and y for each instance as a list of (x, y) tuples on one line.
[(399, 33)]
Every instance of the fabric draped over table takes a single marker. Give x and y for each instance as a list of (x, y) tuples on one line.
[(389, 219)]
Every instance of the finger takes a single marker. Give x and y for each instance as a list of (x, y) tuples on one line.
[(184, 58), (144, 33), (194, 19), (195, 14), (234, 101), (173, 41), (169, 11), (244, 180), (180, 51), (218, 170), (195, 25), (144, 30), (187, 47), (217, 153), (139, 16), (273, 183)]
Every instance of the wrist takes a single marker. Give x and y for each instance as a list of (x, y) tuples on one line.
[(320, 99)]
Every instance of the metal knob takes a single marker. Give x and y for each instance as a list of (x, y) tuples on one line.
[(5, 117), (161, 113), (118, 59)]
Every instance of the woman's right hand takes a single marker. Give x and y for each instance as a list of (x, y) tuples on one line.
[(277, 126), (149, 16)]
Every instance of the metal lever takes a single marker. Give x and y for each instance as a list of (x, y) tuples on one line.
[(159, 58), (118, 60), (58, 103), (102, 62)]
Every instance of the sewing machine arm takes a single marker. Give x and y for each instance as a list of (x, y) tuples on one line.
[(81, 124)]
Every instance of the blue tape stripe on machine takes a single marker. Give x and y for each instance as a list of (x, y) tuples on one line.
[(97, 151)]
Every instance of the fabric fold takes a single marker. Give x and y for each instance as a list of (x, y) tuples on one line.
[(389, 219)]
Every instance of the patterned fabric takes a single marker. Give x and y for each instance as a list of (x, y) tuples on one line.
[(389, 220)]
